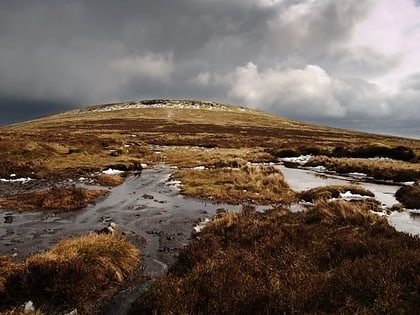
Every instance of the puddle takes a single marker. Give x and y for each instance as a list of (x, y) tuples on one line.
[(147, 208), (150, 211), (302, 179)]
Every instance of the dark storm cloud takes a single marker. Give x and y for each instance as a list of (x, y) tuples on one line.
[(291, 57), (14, 111)]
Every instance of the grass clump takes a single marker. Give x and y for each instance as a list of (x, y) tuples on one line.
[(256, 184), (337, 258), (333, 191), (383, 170), (56, 198), (77, 273), (409, 196), (185, 157), (109, 180)]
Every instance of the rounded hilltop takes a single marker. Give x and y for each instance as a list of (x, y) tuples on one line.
[(164, 103)]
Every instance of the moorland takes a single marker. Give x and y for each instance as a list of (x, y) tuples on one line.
[(336, 257)]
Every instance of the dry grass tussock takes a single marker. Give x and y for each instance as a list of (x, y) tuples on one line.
[(185, 157), (79, 272), (333, 191), (409, 196), (385, 170), (334, 259), (109, 180), (57, 198), (49, 153), (342, 212), (256, 184)]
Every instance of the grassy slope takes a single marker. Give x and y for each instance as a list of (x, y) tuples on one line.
[(82, 139), (77, 143)]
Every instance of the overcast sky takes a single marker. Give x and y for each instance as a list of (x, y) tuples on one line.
[(346, 63)]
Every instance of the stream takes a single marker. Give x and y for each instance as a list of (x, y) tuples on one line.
[(151, 212)]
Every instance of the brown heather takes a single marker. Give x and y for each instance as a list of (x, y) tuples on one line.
[(333, 191), (384, 170), (337, 258), (57, 198), (409, 196)]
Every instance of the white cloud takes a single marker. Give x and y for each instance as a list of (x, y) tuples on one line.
[(393, 27), (308, 92)]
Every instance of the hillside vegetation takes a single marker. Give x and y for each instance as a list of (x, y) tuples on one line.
[(335, 258)]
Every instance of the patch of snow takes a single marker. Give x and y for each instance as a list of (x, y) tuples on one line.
[(302, 159), (29, 307), (143, 165), (357, 175), (174, 183), (348, 195), (200, 226), (111, 171), (408, 183), (319, 168), (199, 168), (167, 104), (380, 158), (17, 180), (13, 175)]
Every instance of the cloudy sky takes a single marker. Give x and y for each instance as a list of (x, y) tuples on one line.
[(348, 63)]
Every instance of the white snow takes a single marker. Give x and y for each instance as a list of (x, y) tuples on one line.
[(319, 168), (302, 159), (408, 183), (167, 104), (200, 226), (348, 195), (17, 180), (29, 307), (174, 183), (199, 168), (357, 175), (111, 171)]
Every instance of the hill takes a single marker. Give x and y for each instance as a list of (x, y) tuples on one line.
[(337, 257), (122, 133)]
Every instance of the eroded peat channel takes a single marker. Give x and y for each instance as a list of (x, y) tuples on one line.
[(147, 208), (152, 214)]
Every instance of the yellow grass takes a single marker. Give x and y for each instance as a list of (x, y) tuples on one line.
[(109, 180), (184, 157), (77, 273), (256, 184)]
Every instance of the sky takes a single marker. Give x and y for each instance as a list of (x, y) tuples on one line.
[(351, 63)]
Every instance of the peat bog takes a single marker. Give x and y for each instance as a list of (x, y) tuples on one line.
[(336, 257)]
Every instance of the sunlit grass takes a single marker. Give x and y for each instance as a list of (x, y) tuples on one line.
[(75, 273), (256, 184)]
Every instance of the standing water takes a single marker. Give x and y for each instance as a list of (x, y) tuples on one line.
[(303, 179)]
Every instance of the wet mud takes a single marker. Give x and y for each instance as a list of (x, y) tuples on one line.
[(148, 210), (151, 213)]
